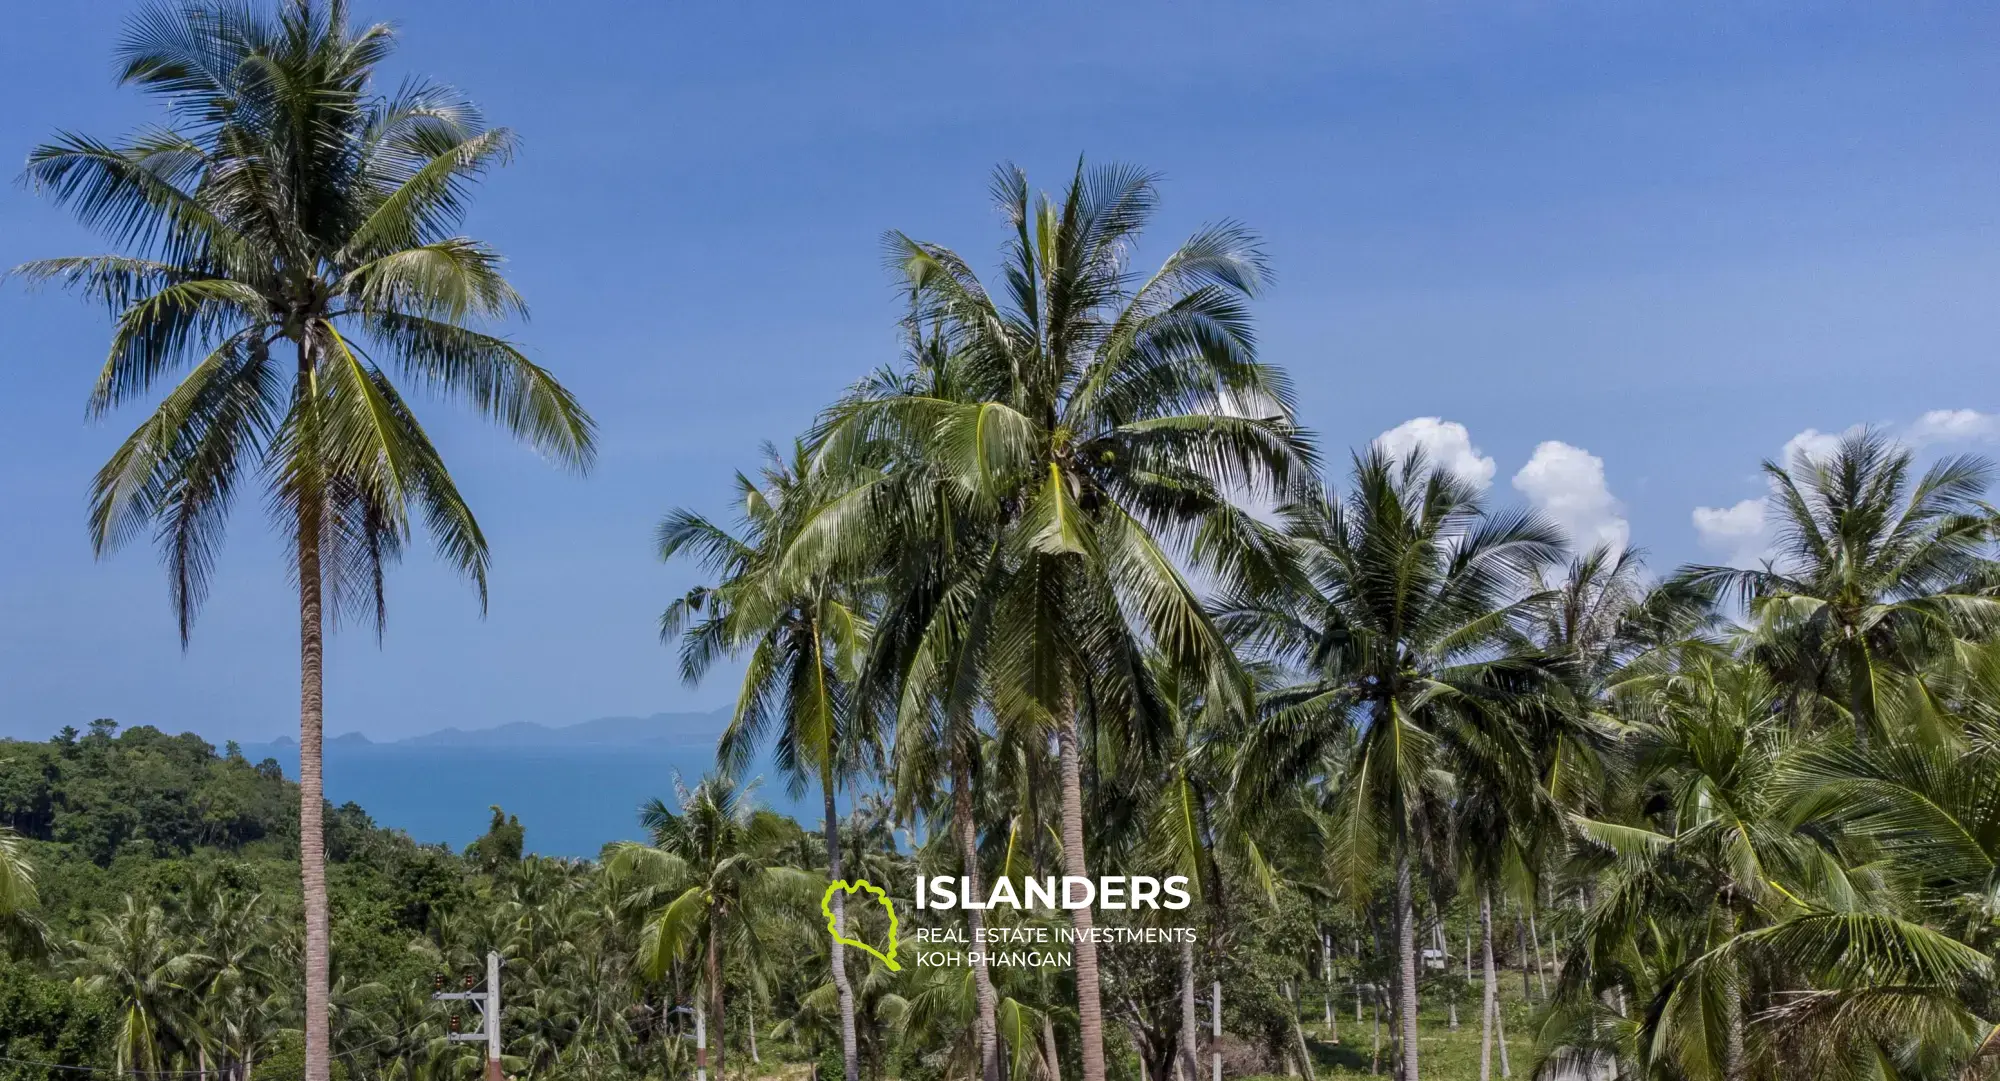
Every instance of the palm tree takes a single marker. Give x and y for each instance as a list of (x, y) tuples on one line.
[(1191, 827), (20, 929), (131, 958), (712, 864), (805, 637), (1872, 572), (1085, 431), (1761, 894), (290, 204), (1407, 622)]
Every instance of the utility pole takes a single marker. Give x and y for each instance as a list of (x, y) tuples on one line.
[(1215, 1027), (1326, 972), (488, 1002), (700, 1044)]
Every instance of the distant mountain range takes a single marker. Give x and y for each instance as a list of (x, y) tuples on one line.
[(575, 787), (658, 730)]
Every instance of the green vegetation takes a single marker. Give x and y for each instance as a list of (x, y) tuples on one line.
[(1062, 590), (289, 205)]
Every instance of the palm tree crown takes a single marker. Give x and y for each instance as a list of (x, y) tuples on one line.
[(289, 202), (1873, 571)]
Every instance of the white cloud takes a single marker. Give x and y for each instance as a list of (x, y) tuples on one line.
[(1954, 426), (1740, 534), (1567, 484), (1812, 443), (1444, 442)]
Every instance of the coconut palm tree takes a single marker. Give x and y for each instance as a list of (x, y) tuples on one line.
[(289, 205), (1408, 624), (21, 929), (1761, 895), (1192, 827), (1873, 572), (805, 635), (132, 959), (712, 863), (1085, 429)]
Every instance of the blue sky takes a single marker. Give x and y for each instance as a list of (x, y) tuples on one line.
[(1669, 238)]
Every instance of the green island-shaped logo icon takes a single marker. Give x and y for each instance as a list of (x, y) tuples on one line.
[(826, 908)]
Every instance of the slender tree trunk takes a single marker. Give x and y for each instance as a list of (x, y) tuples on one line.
[(715, 995), (1444, 958), (850, 1054), (1190, 1018), (750, 1026), (1488, 1001), (1406, 946), (1051, 1056), (1541, 965), (1089, 1009), (982, 981), (1375, 1002), (1332, 1014), (1299, 1031), (1521, 948), (312, 788), (1736, 1067)]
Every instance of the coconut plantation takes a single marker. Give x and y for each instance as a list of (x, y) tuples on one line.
[(1107, 691)]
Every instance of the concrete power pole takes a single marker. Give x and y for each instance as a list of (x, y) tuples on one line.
[(488, 1002), (700, 1044), (1215, 1027)]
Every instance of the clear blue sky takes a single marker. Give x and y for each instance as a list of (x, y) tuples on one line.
[(1671, 239)]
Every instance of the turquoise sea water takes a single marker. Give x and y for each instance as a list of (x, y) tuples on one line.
[(571, 800)]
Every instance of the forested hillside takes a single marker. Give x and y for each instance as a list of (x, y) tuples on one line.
[(167, 880), (166, 938)]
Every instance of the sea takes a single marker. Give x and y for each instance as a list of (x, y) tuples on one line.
[(572, 798)]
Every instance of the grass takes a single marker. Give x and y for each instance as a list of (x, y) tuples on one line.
[(1444, 1053)]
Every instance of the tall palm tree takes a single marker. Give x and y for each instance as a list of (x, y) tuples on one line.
[(289, 204), (805, 636), (712, 862), (1089, 427), (1408, 623), (1873, 572)]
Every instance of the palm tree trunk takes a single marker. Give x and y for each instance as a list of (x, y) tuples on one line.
[(1488, 1002), (1299, 1032), (850, 1055), (1375, 1004), (987, 1000), (1089, 1009), (312, 789), (715, 992), (1406, 947), (1190, 1019), (1735, 1066), (1521, 949), (1541, 966), (1053, 1059)]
